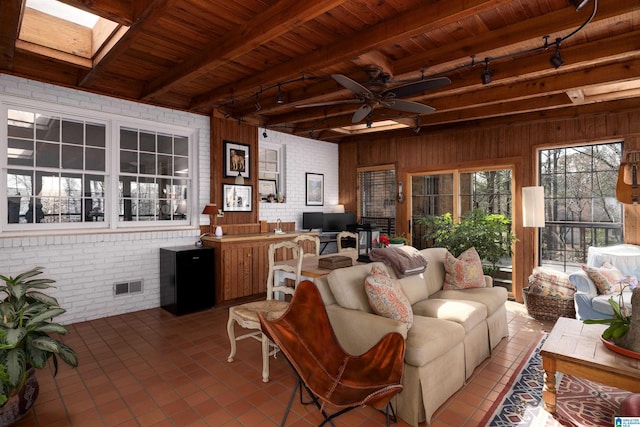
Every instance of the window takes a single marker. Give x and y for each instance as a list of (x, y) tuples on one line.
[(459, 192), (153, 182), (270, 167), (581, 209), (59, 170), (377, 195)]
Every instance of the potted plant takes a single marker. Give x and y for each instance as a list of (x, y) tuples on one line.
[(27, 340), (489, 234)]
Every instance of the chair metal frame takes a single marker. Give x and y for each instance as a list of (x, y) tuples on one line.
[(246, 315)]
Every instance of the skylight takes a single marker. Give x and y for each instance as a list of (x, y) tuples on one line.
[(64, 11)]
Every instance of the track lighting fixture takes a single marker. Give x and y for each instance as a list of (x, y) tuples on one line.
[(417, 128), (227, 115), (279, 95), (257, 104), (556, 60), (487, 74), (264, 134), (369, 120), (578, 4)]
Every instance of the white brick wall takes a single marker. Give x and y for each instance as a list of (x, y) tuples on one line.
[(86, 265), (302, 155)]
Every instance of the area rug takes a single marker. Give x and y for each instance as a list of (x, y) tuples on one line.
[(580, 402)]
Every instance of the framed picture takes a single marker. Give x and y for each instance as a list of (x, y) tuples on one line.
[(236, 160), (314, 189), (237, 198), (266, 187)]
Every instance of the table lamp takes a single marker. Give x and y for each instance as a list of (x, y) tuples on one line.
[(210, 209)]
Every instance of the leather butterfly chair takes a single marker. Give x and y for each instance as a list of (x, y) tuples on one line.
[(324, 369)]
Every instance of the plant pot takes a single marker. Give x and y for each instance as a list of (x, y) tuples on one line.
[(396, 245), (19, 404)]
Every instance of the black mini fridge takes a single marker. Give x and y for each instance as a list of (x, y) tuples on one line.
[(187, 281)]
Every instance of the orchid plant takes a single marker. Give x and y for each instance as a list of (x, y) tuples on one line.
[(620, 323)]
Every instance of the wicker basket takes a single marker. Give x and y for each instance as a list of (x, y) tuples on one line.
[(547, 307)]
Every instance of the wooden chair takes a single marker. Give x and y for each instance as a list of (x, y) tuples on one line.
[(246, 315), (329, 374), (344, 238), (310, 244)]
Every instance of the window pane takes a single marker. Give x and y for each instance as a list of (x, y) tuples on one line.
[(180, 146), (148, 164), (95, 159), (73, 132), (128, 161), (20, 153), (165, 144), (96, 135), (47, 128), (128, 139), (72, 157), (47, 155), (20, 124), (377, 199), (147, 142)]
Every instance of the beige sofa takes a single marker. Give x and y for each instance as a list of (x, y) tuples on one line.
[(452, 333)]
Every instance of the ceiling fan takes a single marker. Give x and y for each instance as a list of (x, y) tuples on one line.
[(375, 93)]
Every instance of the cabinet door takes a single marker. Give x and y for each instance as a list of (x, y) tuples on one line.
[(237, 275)]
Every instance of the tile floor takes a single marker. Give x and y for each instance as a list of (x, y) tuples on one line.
[(151, 368)]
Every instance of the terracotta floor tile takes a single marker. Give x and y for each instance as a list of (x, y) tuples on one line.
[(153, 369)]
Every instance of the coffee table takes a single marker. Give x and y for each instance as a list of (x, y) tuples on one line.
[(577, 349)]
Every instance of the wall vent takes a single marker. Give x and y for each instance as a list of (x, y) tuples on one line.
[(124, 288)]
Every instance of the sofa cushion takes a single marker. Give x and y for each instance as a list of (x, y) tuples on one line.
[(493, 298), (463, 272), (607, 278), (387, 298), (430, 338), (347, 286), (628, 264), (467, 313)]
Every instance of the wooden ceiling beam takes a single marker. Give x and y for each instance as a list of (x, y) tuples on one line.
[(401, 27), (11, 12), (279, 19), (153, 11), (561, 21), (120, 11)]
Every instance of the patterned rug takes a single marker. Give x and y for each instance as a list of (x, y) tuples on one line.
[(580, 403)]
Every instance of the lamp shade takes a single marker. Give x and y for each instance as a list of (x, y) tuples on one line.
[(338, 208), (533, 206), (210, 209)]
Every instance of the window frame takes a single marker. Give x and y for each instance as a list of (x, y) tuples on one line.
[(112, 123), (281, 185)]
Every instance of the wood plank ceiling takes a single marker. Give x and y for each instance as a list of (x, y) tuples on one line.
[(234, 57)]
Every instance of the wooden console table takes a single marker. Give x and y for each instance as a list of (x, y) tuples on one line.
[(576, 349)]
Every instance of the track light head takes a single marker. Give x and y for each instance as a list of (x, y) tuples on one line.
[(417, 128), (280, 96), (257, 104), (487, 75), (264, 134), (578, 4), (227, 115), (556, 59)]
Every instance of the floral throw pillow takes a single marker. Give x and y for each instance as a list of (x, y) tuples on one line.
[(606, 278), (387, 298), (463, 272)]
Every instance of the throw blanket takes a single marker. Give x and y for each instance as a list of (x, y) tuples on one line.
[(405, 260)]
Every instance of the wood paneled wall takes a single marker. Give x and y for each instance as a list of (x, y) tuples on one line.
[(495, 142), (231, 130)]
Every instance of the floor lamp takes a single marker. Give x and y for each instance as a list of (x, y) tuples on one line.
[(533, 210)]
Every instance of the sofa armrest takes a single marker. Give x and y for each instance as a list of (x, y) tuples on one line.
[(583, 283), (488, 281), (358, 331)]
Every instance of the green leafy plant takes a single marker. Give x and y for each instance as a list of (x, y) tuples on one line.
[(620, 323), (489, 234), (27, 333)]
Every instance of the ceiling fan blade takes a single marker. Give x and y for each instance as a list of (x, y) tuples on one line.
[(361, 113), (324, 104), (415, 88), (409, 106), (353, 86)]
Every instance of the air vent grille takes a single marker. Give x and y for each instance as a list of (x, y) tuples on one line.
[(125, 288)]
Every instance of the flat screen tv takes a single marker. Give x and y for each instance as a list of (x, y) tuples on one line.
[(336, 222), (311, 220)]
